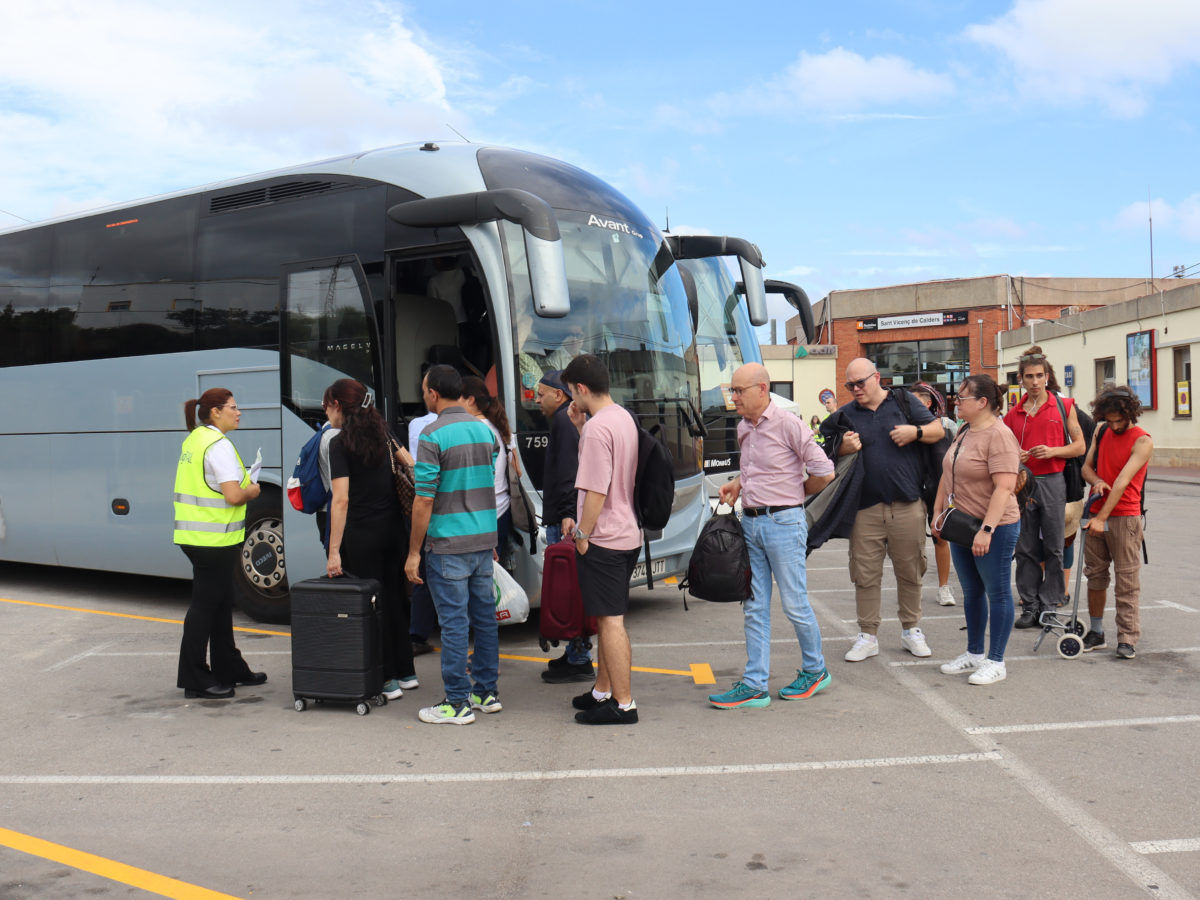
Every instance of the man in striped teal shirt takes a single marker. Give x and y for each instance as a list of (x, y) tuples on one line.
[(454, 518)]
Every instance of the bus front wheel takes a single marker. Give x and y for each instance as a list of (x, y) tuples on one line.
[(262, 589)]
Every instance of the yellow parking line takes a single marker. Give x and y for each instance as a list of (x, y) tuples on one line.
[(700, 673), (107, 868), (104, 612)]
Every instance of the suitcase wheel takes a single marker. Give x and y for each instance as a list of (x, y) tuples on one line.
[(362, 708), (301, 704), (379, 700)]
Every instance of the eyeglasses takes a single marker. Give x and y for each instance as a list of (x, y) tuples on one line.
[(962, 397), (229, 406), (738, 391), (861, 383)]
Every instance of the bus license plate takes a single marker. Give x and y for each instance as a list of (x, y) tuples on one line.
[(659, 567)]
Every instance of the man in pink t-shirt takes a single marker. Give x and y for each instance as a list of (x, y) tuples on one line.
[(607, 537)]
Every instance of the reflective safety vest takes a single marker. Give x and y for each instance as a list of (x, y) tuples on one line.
[(203, 517)]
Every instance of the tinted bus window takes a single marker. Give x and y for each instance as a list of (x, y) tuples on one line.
[(117, 279), (26, 325)]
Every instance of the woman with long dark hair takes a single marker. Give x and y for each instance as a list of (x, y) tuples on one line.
[(936, 404), (212, 489), (367, 530), (979, 475), (479, 402)]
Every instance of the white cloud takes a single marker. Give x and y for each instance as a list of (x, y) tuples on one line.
[(1182, 218), (840, 82), (1110, 51), (138, 98)]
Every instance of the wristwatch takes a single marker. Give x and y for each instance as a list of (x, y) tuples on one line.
[(987, 529), (582, 535), (920, 432)]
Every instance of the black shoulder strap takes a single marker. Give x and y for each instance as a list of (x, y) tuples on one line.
[(1062, 414), (900, 395)]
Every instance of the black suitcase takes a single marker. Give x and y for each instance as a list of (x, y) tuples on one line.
[(336, 636)]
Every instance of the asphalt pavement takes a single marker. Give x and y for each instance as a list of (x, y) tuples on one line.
[(1070, 778)]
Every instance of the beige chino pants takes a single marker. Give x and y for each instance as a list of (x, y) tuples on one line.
[(895, 530)]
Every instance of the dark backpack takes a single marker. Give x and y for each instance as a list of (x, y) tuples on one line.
[(720, 567), (653, 489), (305, 490)]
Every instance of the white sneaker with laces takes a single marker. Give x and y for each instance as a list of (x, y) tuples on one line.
[(865, 646), (914, 642), (968, 662), (989, 673), (946, 596)]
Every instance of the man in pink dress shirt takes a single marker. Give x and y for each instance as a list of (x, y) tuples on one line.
[(781, 464)]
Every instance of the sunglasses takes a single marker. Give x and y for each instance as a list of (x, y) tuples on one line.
[(856, 385)]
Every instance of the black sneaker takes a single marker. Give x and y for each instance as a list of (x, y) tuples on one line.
[(1094, 640), (1126, 651), (607, 712), (587, 700), (557, 663), (1028, 618), (569, 672)]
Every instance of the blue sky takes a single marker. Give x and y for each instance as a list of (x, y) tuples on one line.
[(857, 144)]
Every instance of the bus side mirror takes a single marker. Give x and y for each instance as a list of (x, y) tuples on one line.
[(756, 292), (547, 276)]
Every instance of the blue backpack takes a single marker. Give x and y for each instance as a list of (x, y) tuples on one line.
[(305, 490)]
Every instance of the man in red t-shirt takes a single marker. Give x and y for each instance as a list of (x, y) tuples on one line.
[(1116, 470), (1038, 425)]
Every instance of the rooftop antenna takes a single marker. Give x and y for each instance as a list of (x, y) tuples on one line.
[(1150, 213), (667, 230), (459, 133)]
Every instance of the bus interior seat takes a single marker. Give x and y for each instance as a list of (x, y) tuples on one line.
[(421, 322)]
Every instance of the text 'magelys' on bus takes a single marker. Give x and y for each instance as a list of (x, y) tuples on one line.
[(724, 314), (496, 261)]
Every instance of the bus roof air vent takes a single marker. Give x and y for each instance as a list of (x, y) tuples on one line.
[(273, 193)]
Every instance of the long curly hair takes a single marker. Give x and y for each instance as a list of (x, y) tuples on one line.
[(364, 433), (1120, 400)]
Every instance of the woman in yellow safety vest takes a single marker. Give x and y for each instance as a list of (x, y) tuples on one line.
[(212, 489)]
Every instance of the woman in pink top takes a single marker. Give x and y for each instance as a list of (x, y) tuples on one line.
[(979, 474)]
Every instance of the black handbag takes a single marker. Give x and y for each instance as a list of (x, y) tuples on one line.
[(953, 524)]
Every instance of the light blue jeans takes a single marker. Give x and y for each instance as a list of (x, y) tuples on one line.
[(987, 590), (777, 544), (461, 585)]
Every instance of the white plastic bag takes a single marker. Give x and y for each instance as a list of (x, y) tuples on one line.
[(512, 604)]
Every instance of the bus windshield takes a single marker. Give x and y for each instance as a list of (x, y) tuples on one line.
[(725, 339), (628, 307)]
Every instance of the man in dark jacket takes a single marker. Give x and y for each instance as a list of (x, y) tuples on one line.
[(558, 507)]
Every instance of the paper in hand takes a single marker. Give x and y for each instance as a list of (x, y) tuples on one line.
[(256, 467)]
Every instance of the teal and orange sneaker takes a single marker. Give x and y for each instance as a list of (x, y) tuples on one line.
[(805, 685), (739, 695)]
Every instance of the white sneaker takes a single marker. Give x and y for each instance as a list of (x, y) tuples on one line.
[(946, 596), (865, 646), (914, 642), (968, 662), (988, 673), (408, 684)]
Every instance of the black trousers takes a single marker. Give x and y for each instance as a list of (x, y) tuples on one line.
[(378, 550), (208, 625)]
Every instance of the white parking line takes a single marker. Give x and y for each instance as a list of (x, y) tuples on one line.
[(1067, 726), (1052, 654), (71, 660), (1185, 845), (550, 775), (1161, 604)]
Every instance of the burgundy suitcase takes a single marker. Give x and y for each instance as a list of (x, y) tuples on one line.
[(336, 642), (561, 617)]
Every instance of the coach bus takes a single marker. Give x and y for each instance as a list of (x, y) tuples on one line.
[(724, 315), (494, 260)]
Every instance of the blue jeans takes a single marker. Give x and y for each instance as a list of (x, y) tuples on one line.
[(777, 544), (987, 590), (577, 648), (461, 585)]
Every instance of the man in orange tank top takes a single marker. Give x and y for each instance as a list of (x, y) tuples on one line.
[(1116, 470)]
